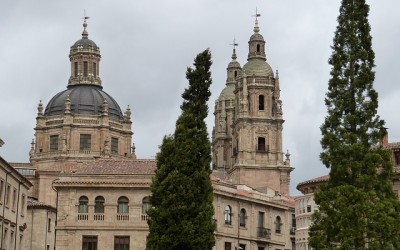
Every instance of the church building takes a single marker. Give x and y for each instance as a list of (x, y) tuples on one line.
[(91, 192)]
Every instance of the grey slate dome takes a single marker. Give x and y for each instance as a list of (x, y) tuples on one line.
[(85, 100)]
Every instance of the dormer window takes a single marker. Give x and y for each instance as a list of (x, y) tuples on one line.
[(258, 48), (85, 69), (235, 73)]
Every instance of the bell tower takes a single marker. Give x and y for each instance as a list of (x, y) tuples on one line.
[(224, 117), (256, 140)]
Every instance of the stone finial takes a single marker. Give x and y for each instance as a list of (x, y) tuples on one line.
[(277, 74), (128, 113), (67, 105), (107, 146), (40, 108), (133, 148), (105, 107), (287, 160), (1, 142), (32, 150)]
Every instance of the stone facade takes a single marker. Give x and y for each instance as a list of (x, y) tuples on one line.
[(13, 202), (105, 201), (251, 219), (91, 192), (247, 135)]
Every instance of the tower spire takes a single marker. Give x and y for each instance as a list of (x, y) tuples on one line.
[(85, 34), (256, 28), (234, 44)]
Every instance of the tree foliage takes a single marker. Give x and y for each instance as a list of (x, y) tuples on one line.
[(358, 207), (182, 195)]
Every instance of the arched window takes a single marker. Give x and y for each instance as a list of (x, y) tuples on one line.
[(83, 204), (235, 73), (261, 102), (258, 48), (145, 204), (242, 217), (228, 214), (123, 205), (278, 224), (99, 204)]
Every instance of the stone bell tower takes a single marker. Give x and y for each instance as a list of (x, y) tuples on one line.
[(255, 141)]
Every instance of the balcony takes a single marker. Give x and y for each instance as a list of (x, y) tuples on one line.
[(263, 232), (123, 217)]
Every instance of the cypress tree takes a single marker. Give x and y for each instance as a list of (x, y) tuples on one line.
[(358, 207), (182, 210)]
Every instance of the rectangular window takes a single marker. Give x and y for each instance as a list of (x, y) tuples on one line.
[(89, 242), (53, 142), (397, 158), (94, 69), (49, 225), (85, 68), (261, 147), (85, 142), (14, 202), (114, 145), (228, 246), (260, 102), (76, 69), (1, 191), (242, 247), (121, 243), (23, 200), (260, 219), (7, 198)]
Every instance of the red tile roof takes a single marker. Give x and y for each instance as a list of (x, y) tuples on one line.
[(116, 167)]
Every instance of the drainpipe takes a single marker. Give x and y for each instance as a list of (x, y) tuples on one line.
[(16, 219), (4, 207), (55, 221), (32, 228), (46, 230)]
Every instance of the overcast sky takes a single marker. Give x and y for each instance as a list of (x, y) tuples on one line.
[(146, 46)]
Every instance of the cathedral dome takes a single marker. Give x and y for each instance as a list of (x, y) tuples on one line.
[(85, 99), (257, 67)]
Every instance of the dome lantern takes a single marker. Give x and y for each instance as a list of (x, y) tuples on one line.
[(85, 58)]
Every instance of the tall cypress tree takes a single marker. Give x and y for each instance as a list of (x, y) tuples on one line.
[(358, 208), (182, 210)]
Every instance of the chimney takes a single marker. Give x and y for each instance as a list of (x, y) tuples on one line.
[(385, 140)]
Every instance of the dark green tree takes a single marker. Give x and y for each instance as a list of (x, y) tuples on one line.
[(182, 210), (358, 207)]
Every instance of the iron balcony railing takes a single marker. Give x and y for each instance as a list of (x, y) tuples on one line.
[(263, 232)]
